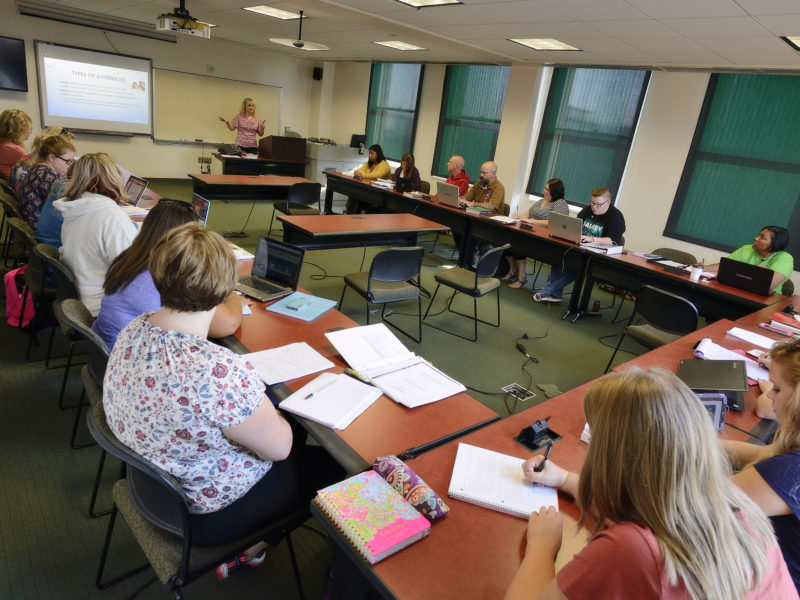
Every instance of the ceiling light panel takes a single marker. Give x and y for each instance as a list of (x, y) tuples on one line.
[(545, 44), (399, 45), (424, 3), (273, 12)]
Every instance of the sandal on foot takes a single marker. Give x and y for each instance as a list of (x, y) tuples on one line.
[(517, 283), (508, 277)]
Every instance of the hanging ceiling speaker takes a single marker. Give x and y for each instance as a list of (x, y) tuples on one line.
[(299, 43)]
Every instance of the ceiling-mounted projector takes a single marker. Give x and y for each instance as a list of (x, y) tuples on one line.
[(180, 21)]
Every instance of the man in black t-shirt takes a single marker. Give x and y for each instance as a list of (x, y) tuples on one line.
[(603, 224)]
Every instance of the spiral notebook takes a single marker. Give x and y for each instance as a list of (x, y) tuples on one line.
[(372, 515), (494, 480)]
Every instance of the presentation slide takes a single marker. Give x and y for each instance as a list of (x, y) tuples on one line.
[(94, 91)]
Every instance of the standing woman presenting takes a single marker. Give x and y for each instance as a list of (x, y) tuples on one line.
[(248, 127)]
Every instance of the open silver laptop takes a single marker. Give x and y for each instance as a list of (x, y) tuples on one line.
[(447, 193), (134, 188), (565, 227), (275, 272), (201, 208)]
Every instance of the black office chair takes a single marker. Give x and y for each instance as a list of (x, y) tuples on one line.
[(476, 284), (390, 279), (667, 317), (153, 505), (425, 186), (10, 210), (299, 202)]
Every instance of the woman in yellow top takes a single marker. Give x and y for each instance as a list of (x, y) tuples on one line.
[(376, 167)]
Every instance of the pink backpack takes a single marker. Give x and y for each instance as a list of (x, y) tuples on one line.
[(16, 291)]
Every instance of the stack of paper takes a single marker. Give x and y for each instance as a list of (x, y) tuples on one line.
[(287, 362), (332, 400), (708, 350), (376, 353)]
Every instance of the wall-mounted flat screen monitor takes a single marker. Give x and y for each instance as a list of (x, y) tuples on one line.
[(13, 70), (87, 90)]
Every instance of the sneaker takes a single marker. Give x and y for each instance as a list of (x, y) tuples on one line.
[(258, 559), (538, 297), (225, 569)]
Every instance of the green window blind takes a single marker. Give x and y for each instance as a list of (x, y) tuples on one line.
[(472, 104), (743, 165), (393, 104), (587, 130)]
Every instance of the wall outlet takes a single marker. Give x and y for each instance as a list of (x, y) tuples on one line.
[(204, 160)]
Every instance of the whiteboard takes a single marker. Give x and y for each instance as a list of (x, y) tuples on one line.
[(188, 106)]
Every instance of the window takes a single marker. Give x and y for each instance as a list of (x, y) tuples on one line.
[(472, 104), (587, 130), (392, 109), (742, 170)]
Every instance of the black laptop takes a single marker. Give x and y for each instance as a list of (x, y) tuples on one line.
[(402, 184), (745, 276), (275, 272), (727, 377)]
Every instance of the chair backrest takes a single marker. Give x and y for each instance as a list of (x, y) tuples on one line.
[(787, 289), (157, 494), (666, 311), (425, 187), (679, 256), (304, 193), (490, 260), (10, 205), (397, 264), (506, 209), (75, 313), (67, 286), (24, 232)]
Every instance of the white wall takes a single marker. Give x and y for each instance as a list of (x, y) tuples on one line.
[(348, 105), (191, 55)]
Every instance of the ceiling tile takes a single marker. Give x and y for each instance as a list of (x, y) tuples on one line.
[(681, 9)]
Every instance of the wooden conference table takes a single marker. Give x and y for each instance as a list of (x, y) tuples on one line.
[(713, 300), (474, 552), (234, 165), (345, 231), (386, 427), (243, 187)]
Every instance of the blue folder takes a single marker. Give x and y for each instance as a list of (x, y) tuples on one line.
[(302, 306)]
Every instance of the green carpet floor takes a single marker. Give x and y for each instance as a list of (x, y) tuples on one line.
[(50, 547)]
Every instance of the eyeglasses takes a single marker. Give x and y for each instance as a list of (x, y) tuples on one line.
[(599, 204), (64, 131), (69, 161), (486, 172)]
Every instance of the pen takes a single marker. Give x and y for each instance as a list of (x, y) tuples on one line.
[(355, 375), (318, 390), (546, 456)]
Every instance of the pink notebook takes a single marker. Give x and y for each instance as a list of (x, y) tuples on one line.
[(372, 515)]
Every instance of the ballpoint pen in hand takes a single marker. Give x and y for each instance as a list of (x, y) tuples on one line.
[(544, 460)]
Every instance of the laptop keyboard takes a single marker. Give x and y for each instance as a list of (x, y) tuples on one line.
[(261, 285)]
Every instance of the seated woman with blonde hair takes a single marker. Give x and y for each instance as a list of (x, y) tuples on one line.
[(198, 410), (51, 163), (20, 170), (668, 522), (96, 228), (771, 474)]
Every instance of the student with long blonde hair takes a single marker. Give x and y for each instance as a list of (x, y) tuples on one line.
[(96, 228), (668, 522), (771, 474)]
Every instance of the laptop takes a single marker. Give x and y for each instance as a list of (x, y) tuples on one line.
[(402, 184), (134, 188), (447, 193), (276, 270), (201, 208), (565, 227), (745, 276), (727, 377)]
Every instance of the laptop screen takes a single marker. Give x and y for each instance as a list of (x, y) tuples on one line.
[(745, 276), (134, 188), (201, 208), (278, 262)]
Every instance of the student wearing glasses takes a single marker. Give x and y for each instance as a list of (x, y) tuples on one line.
[(603, 224), (667, 522), (54, 158), (96, 228), (20, 170), (770, 474), (487, 191)]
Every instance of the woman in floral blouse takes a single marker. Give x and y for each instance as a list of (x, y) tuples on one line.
[(198, 410)]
